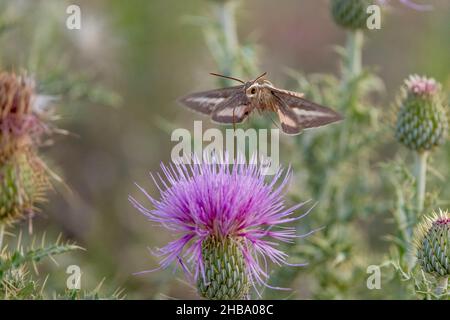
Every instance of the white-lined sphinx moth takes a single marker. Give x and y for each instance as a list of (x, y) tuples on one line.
[(234, 104)]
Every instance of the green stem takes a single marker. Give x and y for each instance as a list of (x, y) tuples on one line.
[(355, 41), (228, 24), (2, 235), (421, 175), (226, 12), (442, 286), (353, 69), (402, 222)]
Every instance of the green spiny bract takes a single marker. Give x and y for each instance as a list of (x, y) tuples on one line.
[(350, 14), (433, 244), (23, 182), (225, 270), (422, 121)]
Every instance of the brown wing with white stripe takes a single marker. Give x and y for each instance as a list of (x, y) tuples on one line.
[(207, 101), (288, 119), (309, 114), (234, 110)]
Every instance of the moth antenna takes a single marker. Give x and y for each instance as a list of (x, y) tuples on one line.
[(259, 77), (226, 77), (273, 121)]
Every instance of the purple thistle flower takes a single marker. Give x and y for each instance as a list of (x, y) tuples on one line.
[(219, 209), (411, 4), (24, 115), (422, 86)]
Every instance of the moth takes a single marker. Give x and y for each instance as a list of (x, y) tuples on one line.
[(233, 105)]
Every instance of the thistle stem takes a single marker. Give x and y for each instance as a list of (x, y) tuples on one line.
[(353, 68), (2, 234), (226, 16), (421, 175), (403, 225), (442, 286), (354, 50), (228, 24)]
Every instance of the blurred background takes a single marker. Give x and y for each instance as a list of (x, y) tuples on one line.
[(117, 80)]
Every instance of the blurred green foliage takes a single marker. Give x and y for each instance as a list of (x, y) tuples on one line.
[(120, 75)]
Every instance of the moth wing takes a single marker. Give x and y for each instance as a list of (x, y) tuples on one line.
[(288, 119), (206, 102), (309, 114), (234, 110)]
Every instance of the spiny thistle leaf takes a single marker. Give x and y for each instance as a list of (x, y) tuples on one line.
[(20, 257), (18, 284)]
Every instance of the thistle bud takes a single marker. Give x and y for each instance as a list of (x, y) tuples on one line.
[(433, 244), (351, 14), (23, 178), (225, 275), (23, 182), (422, 121)]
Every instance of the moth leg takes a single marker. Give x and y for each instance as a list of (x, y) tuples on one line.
[(234, 122), (273, 121)]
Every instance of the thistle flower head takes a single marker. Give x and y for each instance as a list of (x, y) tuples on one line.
[(422, 121), (411, 4), (22, 113), (351, 14), (227, 219), (432, 242), (23, 177), (421, 86)]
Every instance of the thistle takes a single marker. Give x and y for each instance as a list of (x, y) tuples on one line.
[(422, 122), (432, 242), (23, 178), (422, 125), (411, 4), (227, 220), (351, 14)]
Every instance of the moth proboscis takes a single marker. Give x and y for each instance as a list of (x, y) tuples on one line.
[(233, 105)]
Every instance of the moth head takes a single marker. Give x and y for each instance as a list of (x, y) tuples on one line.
[(252, 90), (258, 89)]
